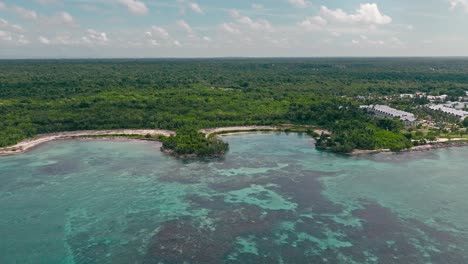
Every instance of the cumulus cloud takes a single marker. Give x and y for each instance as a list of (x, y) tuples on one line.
[(313, 23), (195, 8), (184, 5), (65, 18), (61, 18), (186, 27), (135, 7), (366, 18), (229, 28), (177, 43), (25, 13), (94, 37), (22, 40), (44, 40), (66, 39), (365, 41), (463, 4), (248, 32), (257, 6), (367, 13), (11, 33), (299, 3), (5, 35), (159, 36), (46, 2), (257, 25), (12, 38), (159, 32), (4, 24)]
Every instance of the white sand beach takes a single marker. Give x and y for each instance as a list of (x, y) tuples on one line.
[(28, 144)]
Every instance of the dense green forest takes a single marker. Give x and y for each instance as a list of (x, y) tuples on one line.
[(43, 96)]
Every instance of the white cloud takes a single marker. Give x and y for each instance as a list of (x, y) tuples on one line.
[(299, 3), (257, 25), (365, 41), (337, 22), (159, 32), (184, 5), (182, 24), (95, 37), (177, 43), (159, 36), (154, 42), (13, 38), (44, 40), (61, 18), (208, 39), (5, 35), (313, 23), (463, 4), (135, 7), (46, 2), (11, 33), (367, 13), (65, 18), (230, 28), (257, 6), (65, 39), (22, 40), (4, 24), (195, 8), (25, 13), (377, 42)]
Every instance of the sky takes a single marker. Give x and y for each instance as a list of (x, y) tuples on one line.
[(237, 28)]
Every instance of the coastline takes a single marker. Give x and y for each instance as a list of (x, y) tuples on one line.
[(29, 144), (436, 145), (209, 132), (129, 134)]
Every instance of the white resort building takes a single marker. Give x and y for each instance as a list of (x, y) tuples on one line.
[(451, 111), (384, 111)]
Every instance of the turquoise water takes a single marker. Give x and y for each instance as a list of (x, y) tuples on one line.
[(272, 199)]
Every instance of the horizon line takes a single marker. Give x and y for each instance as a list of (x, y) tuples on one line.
[(234, 57)]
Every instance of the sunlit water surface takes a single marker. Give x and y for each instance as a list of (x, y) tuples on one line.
[(272, 199)]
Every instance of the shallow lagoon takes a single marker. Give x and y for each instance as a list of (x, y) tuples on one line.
[(272, 199)]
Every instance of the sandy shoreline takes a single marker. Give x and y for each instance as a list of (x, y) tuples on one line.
[(245, 129), (28, 144), (223, 130), (437, 145)]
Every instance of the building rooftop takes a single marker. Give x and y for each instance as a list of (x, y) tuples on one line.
[(459, 113), (387, 110)]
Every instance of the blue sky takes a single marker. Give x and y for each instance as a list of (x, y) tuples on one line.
[(214, 28)]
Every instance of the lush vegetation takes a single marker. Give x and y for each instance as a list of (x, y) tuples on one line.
[(190, 142), (352, 129), (44, 96)]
